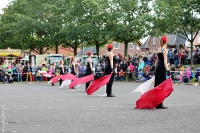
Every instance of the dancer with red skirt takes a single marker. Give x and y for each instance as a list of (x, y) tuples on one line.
[(161, 66), (110, 67), (89, 67)]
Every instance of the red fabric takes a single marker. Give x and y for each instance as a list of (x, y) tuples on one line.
[(81, 80), (55, 79), (45, 74), (68, 76), (155, 96), (97, 84)]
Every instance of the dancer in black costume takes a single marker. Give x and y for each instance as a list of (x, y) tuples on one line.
[(110, 67), (89, 67), (73, 66), (161, 66), (61, 70)]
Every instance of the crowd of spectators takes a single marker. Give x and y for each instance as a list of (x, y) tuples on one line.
[(139, 67)]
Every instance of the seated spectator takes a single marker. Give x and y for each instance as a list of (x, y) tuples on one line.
[(147, 68), (181, 67), (121, 75), (197, 74), (146, 77), (141, 75), (5, 79), (173, 69), (10, 79), (38, 77)]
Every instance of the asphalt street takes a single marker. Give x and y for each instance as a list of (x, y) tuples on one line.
[(42, 108)]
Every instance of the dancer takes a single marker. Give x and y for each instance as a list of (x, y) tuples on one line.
[(110, 67), (61, 70), (73, 63), (161, 66), (89, 67)]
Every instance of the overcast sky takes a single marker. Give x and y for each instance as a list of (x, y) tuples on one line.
[(3, 4)]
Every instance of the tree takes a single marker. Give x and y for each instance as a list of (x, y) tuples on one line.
[(31, 24), (129, 20), (95, 22), (179, 17)]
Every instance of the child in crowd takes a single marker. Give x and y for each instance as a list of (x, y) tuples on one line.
[(141, 75), (147, 68), (5, 79), (10, 79), (121, 75)]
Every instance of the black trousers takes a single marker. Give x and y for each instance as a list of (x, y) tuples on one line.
[(87, 85), (109, 85), (61, 81)]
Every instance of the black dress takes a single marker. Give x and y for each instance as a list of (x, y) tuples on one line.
[(88, 72), (73, 71), (108, 71), (61, 73), (160, 72)]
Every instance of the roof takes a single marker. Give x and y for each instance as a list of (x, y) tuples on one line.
[(173, 39), (145, 44), (10, 52), (89, 49), (176, 39), (61, 50)]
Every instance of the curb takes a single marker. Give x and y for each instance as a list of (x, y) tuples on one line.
[(196, 84)]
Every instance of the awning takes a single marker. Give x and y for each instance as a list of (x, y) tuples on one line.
[(10, 53)]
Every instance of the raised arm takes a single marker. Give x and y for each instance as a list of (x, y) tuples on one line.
[(111, 59)]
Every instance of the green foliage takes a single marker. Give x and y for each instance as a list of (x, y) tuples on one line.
[(177, 16), (130, 19), (39, 25)]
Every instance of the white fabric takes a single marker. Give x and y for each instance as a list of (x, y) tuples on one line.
[(144, 86), (103, 94), (65, 83), (49, 82)]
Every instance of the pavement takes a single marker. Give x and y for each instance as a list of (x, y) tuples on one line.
[(42, 108)]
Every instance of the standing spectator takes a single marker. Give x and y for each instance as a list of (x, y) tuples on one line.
[(98, 71), (148, 61), (33, 72), (180, 56), (1, 74), (19, 73), (131, 68), (28, 72), (44, 69), (14, 72), (141, 64)]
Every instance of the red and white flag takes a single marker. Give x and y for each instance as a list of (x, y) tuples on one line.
[(96, 84), (155, 96), (81, 80)]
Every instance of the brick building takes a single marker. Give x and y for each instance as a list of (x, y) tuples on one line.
[(153, 43), (118, 49)]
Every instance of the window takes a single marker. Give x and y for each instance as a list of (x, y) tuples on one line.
[(116, 45), (138, 48), (131, 46), (154, 41)]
